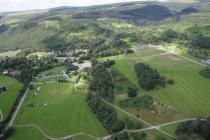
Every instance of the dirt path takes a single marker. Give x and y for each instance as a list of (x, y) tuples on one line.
[(1, 116), (162, 125), (56, 138)]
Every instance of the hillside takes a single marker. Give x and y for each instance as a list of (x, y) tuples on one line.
[(94, 20)]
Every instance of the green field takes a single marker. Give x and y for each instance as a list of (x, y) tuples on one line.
[(26, 134), (55, 70), (190, 93), (53, 78), (8, 98), (171, 129), (57, 111)]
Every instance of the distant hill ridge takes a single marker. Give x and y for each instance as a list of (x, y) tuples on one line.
[(150, 12), (63, 8)]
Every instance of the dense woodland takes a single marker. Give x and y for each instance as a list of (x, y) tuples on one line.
[(148, 77), (194, 129), (103, 88)]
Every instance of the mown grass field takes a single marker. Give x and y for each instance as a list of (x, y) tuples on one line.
[(190, 93), (58, 111), (7, 98)]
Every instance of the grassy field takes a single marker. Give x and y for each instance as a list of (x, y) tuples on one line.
[(26, 134), (58, 111), (55, 70), (50, 79), (8, 98), (190, 93)]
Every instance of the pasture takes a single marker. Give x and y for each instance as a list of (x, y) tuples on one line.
[(59, 110), (8, 98), (189, 96)]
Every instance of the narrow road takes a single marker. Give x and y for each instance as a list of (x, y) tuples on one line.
[(11, 122), (1, 116), (162, 125), (57, 138)]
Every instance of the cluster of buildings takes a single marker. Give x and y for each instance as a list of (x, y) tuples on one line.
[(9, 73)]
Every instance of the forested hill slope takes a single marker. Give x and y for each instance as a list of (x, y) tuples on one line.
[(96, 27)]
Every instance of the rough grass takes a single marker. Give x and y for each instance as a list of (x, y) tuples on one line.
[(65, 113), (190, 93), (7, 99)]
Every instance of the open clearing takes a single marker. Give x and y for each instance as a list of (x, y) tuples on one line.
[(7, 98), (58, 112), (190, 94)]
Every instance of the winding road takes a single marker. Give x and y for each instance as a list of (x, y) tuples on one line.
[(54, 138)]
